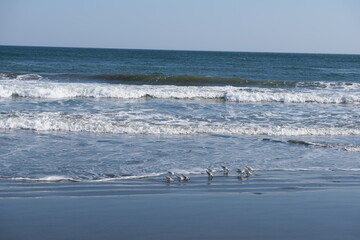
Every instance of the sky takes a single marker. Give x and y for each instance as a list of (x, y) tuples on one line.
[(306, 26)]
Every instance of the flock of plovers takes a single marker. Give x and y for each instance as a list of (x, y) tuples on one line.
[(242, 173)]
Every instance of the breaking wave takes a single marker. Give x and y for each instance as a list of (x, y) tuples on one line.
[(175, 80), (60, 90), (154, 125), (20, 76), (186, 80), (151, 79), (344, 147)]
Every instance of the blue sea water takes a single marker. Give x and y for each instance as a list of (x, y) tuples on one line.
[(105, 114)]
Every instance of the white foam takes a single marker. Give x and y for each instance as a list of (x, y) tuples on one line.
[(153, 124), (20, 77), (291, 96), (57, 90), (330, 85), (52, 90), (125, 178), (45, 179)]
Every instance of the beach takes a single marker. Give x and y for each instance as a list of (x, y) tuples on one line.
[(269, 205)]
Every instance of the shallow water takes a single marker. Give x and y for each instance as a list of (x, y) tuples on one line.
[(104, 114), (54, 156)]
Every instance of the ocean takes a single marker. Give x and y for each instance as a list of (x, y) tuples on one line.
[(95, 115)]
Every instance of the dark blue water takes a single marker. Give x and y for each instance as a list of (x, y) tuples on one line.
[(98, 114), (251, 66)]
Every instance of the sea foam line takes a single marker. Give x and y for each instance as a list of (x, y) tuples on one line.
[(58, 90), (98, 123), (56, 179)]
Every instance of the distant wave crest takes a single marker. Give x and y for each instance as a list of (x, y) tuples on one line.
[(20, 76), (176, 80), (60, 90)]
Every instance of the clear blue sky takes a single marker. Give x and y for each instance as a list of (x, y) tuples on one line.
[(319, 26)]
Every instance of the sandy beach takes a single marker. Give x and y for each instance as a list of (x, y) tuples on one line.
[(269, 205)]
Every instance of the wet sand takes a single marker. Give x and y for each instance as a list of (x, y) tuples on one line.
[(269, 205)]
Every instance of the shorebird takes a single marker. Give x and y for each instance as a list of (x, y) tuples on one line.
[(186, 178), (248, 173), (171, 173), (250, 169), (225, 168), (181, 178), (209, 173), (211, 170), (240, 171), (169, 179)]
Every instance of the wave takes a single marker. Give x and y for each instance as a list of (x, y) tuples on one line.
[(329, 85), (20, 76), (344, 147), (151, 79), (77, 179), (176, 80), (44, 179), (190, 80), (153, 125), (60, 90)]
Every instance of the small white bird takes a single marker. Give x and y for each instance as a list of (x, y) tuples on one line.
[(240, 171), (169, 179), (249, 168), (180, 178), (209, 173), (171, 173), (225, 168), (186, 178), (248, 173)]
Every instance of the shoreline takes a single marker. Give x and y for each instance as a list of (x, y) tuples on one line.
[(262, 182), (279, 205)]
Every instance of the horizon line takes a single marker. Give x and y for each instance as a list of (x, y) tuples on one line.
[(184, 50)]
